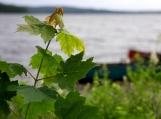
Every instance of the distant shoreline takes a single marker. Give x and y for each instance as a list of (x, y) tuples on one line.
[(68, 10), (74, 10)]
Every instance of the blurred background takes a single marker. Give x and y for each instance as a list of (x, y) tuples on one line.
[(109, 29)]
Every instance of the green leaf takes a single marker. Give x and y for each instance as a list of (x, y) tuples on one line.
[(17, 69), (49, 91), (47, 33), (68, 42), (32, 20), (4, 67), (31, 29), (36, 27), (12, 69), (31, 94), (49, 64), (73, 108), (4, 94), (38, 109), (72, 70), (4, 108), (52, 60)]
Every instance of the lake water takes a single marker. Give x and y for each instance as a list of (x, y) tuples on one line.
[(107, 37)]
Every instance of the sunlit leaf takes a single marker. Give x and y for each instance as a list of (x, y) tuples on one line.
[(72, 70), (51, 59), (49, 64), (68, 42), (73, 107)]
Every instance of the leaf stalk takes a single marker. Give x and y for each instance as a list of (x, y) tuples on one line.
[(14, 113)]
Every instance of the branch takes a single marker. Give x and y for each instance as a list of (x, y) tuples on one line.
[(31, 75)]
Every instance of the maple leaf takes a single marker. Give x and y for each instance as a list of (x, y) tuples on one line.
[(38, 109), (36, 27), (32, 94), (31, 29), (17, 69), (32, 20), (72, 70), (68, 42), (12, 69), (49, 64), (73, 107), (5, 95), (51, 59), (4, 67)]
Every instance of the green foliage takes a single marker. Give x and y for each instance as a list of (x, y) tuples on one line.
[(4, 66), (138, 98), (68, 42), (32, 20), (12, 69), (5, 95), (49, 64), (15, 104), (127, 101), (144, 71), (53, 61), (17, 69), (72, 70), (42, 100), (73, 108), (32, 94), (38, 109), (36, 27)]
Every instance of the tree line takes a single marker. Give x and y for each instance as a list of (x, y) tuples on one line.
[(11, 9)]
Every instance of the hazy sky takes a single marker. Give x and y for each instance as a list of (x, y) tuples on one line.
[(97, 4)]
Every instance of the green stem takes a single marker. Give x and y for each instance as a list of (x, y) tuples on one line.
[(36, 79), (41, 64), (14, 113), (38, 72)]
